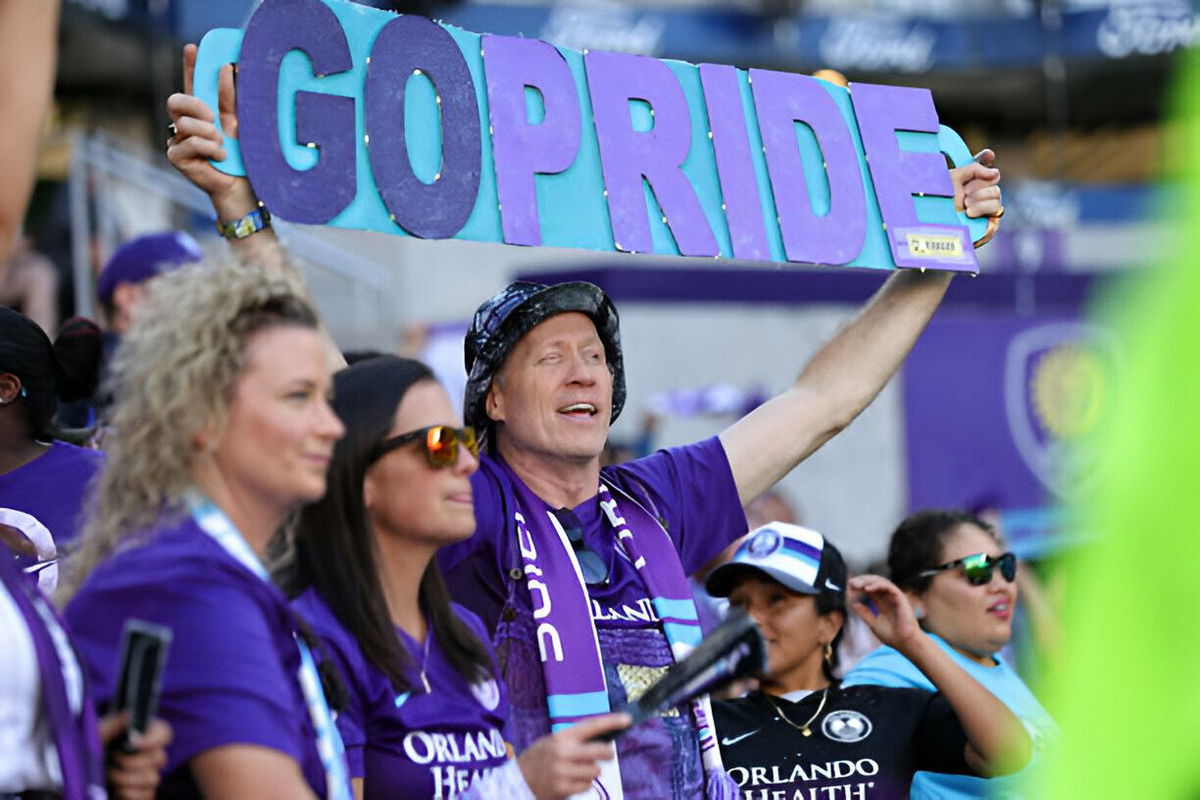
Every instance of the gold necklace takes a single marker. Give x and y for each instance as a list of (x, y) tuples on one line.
[(804, 729)]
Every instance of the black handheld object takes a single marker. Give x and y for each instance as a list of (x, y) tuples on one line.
[(143, 656), (733, 650)]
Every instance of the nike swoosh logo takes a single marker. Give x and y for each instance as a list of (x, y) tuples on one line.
[(831, 586), (728, 741)]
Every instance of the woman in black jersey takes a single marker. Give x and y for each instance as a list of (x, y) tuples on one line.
[(801, 736)]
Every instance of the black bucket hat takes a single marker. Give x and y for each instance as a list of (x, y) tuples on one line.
[(501, 321)]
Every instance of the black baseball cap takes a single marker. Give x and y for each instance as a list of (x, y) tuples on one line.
[(799, 558)]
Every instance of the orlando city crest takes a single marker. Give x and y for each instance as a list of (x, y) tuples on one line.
[(1058, 383)]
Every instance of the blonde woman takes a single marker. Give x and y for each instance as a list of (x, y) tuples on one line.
[(223, 429)]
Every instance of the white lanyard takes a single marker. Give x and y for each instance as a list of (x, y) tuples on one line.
[(329, 743)]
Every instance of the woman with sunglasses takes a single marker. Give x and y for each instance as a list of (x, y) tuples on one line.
[(962, 587), (424, 713), (804, 735)]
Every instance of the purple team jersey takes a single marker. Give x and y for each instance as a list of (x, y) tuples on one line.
[(417, 745), (47, 494), (62, 697), (231, 675), (691, 491)]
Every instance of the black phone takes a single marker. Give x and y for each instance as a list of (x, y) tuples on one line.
[(144, 648), (733, 650)]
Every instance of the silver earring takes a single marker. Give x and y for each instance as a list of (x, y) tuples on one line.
[(919, 612)]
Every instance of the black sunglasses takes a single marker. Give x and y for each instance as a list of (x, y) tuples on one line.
[(593, 567), (440, 441), (977, 568)]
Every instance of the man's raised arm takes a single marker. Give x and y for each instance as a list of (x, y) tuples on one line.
[(848, 371)]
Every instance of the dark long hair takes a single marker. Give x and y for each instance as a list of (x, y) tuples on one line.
[(64, 370), (334, 549)]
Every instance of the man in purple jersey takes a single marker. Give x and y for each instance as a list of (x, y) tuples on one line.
[(561, 543)]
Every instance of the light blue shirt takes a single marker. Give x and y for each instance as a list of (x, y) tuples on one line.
[(886, 667)]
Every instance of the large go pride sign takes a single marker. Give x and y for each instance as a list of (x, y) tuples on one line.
[(360, 118)]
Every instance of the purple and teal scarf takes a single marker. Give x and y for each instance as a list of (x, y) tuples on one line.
[(569, 650)]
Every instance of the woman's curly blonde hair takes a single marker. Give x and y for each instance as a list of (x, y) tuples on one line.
[(173, 375)]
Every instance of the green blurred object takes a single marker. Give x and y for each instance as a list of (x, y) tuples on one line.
[(1127, 694)]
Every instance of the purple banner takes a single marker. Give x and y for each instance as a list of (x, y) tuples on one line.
[(999, 409)]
